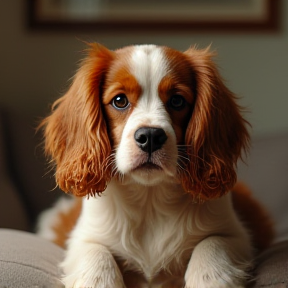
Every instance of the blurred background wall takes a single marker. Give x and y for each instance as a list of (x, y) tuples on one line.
[(36, 65)]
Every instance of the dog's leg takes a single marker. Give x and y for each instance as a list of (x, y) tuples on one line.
[(219, 262), (90, 265)]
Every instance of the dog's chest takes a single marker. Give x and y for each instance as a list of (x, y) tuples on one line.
[(148, 231), (152, 244)]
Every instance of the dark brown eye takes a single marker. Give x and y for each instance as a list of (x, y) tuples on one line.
[(120, 102), (177, 102)]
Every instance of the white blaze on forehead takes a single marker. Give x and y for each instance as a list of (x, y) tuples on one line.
[(149, 66)]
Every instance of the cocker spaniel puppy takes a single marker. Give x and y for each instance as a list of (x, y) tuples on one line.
[(151, 137)]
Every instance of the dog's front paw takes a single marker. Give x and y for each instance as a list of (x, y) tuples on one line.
[(216, 263), (105, 277), (215, 274), (69, 282), (212, 279), (96, 270)]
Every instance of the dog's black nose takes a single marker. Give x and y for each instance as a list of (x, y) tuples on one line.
[(150, 139)]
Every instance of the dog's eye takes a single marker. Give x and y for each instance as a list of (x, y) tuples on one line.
[(177, 102), (120, 102)]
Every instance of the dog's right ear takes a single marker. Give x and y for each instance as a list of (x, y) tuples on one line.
[(75, 133)]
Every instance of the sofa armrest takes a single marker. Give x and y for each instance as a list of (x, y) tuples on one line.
[(272, 267), (27, 260)]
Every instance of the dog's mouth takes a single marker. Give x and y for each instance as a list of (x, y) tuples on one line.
[(151, 171), (147, 166), (148, 173)]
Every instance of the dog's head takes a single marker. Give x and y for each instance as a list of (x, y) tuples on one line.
[(150, 114)]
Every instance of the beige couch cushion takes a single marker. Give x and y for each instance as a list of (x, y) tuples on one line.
[(28, 261)]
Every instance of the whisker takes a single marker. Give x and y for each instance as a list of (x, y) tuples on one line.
[(183, 157)]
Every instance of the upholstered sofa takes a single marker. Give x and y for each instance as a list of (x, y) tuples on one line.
[(26, 188)]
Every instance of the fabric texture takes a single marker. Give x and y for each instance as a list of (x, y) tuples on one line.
[(28, 261), (272, 268)]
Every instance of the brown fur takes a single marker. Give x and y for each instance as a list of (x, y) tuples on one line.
[(73, 130), (179, 81), (119, 82), (66, 222), (216, 133), (254, 217)]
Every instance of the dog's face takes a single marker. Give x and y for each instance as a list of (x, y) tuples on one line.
[(150, 114), (147, 102)]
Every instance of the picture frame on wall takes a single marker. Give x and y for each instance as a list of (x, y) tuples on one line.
[(155, 15)]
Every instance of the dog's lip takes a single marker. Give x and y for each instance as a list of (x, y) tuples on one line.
[(148, 166)]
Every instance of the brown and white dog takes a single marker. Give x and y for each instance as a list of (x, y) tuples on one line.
[(154, 135)]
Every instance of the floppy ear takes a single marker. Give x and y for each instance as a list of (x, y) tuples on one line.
[(75, 133), (216, 133)]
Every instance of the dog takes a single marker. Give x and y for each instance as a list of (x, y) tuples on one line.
[(148, 138)]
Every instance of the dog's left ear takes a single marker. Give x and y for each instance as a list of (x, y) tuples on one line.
[(216, 133)]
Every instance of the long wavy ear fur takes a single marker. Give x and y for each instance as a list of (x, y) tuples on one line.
[(216, 133), (75, 133)]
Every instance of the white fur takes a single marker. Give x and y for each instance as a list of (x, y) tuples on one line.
[(149, 66), (147, 221), (156, 229), (49, 218)]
